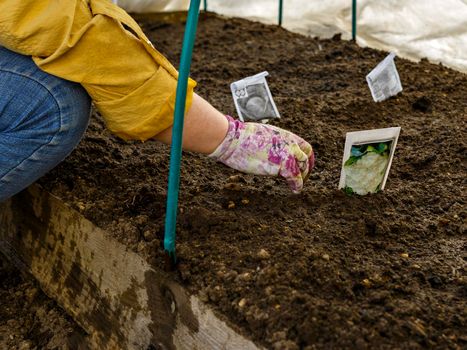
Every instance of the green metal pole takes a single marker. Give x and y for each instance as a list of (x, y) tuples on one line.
[(177, 130), (205, 5), (280, 11), (354, 20)]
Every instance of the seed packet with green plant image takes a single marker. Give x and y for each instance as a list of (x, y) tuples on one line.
[(367, 159)]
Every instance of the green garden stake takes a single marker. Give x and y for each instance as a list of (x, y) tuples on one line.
[(354, 20), (177, 130), (280, 12), (205, 5)]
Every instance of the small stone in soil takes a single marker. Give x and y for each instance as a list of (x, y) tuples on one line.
[(233, 186), (285, 345), (234, 178), (243, 277), (326, 257), (148, 235), (366, 282), (263, 254)]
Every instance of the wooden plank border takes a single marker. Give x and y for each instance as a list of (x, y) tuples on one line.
[(110, 291)]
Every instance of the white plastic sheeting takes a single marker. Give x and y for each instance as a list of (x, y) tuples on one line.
[(435, 29)]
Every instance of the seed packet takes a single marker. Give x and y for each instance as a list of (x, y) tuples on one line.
[(367, 159), (253, 99), (384, 80)]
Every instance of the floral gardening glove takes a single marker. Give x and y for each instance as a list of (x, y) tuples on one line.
[(266, 150)]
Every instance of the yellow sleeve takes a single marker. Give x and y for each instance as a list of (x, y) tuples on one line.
[(88, 41)]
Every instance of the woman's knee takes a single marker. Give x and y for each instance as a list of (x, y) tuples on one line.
[(74, 106)]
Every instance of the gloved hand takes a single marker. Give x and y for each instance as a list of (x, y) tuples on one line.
[(266, 150)]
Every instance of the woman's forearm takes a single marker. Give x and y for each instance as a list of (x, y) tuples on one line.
[(204, 128)]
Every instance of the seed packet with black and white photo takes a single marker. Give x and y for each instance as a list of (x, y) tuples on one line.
[(253, 99), (384, 80)]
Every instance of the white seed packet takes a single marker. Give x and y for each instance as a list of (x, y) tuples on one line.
[(384, 80), (253, 99), (367, 159)]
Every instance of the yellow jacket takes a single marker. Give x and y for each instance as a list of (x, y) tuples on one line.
[(88, 41)]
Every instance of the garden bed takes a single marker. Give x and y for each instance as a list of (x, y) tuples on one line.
[(321, 269)]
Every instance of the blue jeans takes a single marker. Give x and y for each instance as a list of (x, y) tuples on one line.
[(42, 118)]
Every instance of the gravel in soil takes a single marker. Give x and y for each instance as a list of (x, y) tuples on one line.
[(321, 269)]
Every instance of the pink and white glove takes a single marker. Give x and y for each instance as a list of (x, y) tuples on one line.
[(266, 150)]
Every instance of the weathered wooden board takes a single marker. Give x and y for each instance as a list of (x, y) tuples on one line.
[(121, 301)]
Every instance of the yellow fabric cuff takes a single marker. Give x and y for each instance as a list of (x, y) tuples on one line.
[(146, 111)]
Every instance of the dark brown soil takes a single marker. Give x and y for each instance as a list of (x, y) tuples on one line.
[(29, 319), (320, 269)]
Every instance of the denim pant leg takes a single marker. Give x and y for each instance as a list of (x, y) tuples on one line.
[(42, 118)]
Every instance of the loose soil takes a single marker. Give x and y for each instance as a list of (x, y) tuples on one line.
[(29, 319), (321, 269)]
